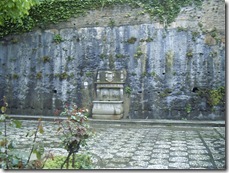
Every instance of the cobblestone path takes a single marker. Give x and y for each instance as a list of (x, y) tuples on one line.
[(140, 146)]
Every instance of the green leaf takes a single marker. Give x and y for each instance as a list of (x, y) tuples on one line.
[(17, 123), (38, 154), (39, 150), (3, 109)]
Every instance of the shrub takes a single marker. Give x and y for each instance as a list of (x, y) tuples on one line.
[(73, 132)]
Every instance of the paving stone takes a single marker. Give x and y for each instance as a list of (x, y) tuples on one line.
[(178, 159), (201, 164), (198, 151), (197, 147), (199, 157), (178, 148), (218, 156), (178, 145), (158, 161), (120, 160), (178, 153), (156, 151), (220, 165), (124, 154), (140, 164), (162, 143), (141, 158), (160, 155), (145, 148), (146, 144), (143, 153), (113, 166), (178, 165), (162, 146), (132, 149)]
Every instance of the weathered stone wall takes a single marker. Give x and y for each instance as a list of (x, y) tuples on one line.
[(165, 67)]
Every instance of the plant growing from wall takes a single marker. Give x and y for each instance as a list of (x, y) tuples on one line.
[(46, 59), (215, 34), (57, 39), (14, 40), (39, 75), (149, 39), (119, 56), (111, 23), (103, 56), (189, 54), (15, 76), (63, 76), (195, 34), (131, 40), (128, 90), (188, 108), (166, 92), (69, 58), (138, 53), (88, 74), (214, 96), (182, 29), (153, 74), (200, 24), (144, 74)]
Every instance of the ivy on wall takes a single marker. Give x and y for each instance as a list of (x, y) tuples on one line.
[(55, 11)]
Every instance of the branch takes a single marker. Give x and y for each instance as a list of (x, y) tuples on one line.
[(34, 139)]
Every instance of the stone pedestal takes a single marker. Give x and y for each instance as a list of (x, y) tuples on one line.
[(109, 90)]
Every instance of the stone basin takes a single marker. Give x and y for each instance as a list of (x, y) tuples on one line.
[(107, 110)]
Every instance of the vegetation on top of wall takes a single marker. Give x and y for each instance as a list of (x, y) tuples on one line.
[(55, 11)]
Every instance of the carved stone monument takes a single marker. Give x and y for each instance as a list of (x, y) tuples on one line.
[(109, 92)]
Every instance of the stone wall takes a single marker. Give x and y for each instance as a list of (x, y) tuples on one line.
[(165, 66)]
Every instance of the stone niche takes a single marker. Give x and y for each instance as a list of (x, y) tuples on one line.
[(109, 95)]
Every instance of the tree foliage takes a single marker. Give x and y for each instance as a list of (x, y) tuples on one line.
[(15, 10)]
